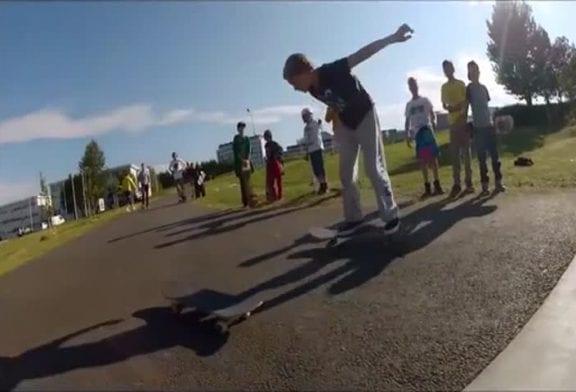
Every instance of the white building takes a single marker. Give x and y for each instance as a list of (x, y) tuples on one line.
[(22, 214), (298, 150), (225, 153)]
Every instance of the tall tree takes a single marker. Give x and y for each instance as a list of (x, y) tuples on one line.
[(567, 79), (514, 48), (561, 53), (92, 165)]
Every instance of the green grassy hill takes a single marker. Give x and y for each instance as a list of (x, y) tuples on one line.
[(553, 151)]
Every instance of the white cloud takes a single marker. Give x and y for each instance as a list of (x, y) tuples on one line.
[(12, 191), (55, 124)]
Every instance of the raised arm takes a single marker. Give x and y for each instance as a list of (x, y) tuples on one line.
[(403, 33)]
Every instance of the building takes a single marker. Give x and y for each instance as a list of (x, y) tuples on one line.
[(225, 153), (22, 214), (298, 150), (58, 194), (61, 201)]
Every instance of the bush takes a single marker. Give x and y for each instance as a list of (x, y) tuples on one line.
[(535, 115)]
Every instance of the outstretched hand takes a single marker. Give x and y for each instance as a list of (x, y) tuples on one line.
[(404, 33)]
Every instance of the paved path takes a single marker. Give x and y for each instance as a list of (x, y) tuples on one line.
[(427, 312)]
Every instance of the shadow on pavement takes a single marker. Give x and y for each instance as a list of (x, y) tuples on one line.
[(367, 255), (188, 221), (220, 227), (161, 331), (305, 239)]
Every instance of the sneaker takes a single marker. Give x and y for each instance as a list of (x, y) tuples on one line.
[(438, 188), (456, 190), (469, 189), (500, 187), (323, 188), (392, 226), (427, 191), (347, 227), (485, 190)]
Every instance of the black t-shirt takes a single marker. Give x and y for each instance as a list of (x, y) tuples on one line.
[(273, 151), (343, 92)]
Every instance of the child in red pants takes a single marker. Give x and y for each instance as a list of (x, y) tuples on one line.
[(274, 168)]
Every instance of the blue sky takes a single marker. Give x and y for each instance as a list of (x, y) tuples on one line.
[(145, 79)]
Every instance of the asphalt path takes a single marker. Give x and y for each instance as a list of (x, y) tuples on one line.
[(425, 311)]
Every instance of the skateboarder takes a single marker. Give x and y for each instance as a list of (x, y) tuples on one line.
[(177, 167), (334, 85), (274, 167), (419, 127), (144, 181), (484, 132), (314, 148)]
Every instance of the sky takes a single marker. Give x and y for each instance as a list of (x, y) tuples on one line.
[(145, 79)]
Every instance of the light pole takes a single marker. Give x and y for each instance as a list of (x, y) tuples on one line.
[(252, 121)]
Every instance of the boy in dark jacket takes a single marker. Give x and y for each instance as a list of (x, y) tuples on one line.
[(274, 168)]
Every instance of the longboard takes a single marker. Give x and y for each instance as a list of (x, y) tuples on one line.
[(334, 237), (225, 309)]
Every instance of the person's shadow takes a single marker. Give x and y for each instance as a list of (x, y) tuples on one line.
[(366, 254), (161, 331)]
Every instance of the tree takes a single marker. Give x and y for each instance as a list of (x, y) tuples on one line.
[(92, 165), (561, 54), (567, 79), (516, 48)]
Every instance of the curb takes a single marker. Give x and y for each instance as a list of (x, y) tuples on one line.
[(543, 355)]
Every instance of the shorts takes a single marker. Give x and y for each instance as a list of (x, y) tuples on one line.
[(426, 146)]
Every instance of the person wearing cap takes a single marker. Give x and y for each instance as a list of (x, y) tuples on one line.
[(336, 86), (242, 165), (314, 148)]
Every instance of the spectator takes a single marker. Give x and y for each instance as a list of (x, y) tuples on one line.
[(176, 168), (484, 131), (274, 168), (144, 180), (454, 101), (242, 165), (314, 148)]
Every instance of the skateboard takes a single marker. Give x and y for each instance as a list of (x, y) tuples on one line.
[(226, 310), (334, 237)]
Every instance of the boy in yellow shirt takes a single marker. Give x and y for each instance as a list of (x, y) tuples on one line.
[(454, 101)]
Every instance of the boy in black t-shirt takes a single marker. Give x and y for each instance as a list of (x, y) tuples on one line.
[(334, 85)]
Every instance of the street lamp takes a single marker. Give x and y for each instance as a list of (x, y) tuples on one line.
[(252, 120)]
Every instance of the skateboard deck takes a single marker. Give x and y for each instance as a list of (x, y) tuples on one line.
[(223, 308), (334, 237)]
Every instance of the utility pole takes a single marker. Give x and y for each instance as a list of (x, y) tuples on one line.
[(74, 197), (30, 213), (84, 193), (252, 120)]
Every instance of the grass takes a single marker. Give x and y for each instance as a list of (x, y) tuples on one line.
[(553, 151)]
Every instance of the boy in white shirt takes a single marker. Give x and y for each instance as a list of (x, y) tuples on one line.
[(315, 148), (419, 127), (177, 167)]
